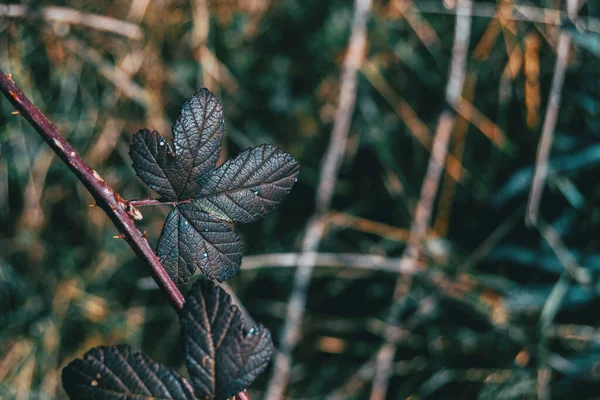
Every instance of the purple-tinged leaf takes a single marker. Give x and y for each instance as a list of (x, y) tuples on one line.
[(192, 238), (222, 358), (248, 187), (118, 372), (154, 162), (197, 133), (243, 189)]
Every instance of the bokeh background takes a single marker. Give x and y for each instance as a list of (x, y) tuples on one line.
[(492, 309)]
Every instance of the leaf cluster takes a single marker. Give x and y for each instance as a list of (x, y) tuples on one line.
[(243, 189), (222, 357)]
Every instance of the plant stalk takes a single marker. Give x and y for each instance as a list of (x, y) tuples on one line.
[(117, 208), (155, 202), (106, 198)]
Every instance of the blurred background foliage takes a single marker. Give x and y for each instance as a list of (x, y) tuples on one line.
[(491, 313)]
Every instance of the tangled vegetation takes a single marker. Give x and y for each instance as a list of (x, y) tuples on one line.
[(386, 274)]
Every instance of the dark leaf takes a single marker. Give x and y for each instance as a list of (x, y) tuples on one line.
[(118, 372), (248, 187), (192, 238), (213, 334), (154, 163), (198, 132), (243, 189)]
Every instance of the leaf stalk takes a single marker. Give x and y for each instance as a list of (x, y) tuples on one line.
[(155, 202)]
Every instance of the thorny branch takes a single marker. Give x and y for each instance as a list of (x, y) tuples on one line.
[(117, 209), (316, 225), (106, 198)]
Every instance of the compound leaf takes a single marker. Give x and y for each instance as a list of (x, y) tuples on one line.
[(192, 238), (222, 358), (248, 187), (243, 189), (118, 372), (198, 133)]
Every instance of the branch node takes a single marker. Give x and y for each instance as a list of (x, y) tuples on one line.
[(129, 208)]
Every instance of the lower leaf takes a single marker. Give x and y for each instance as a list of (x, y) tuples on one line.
[(118, 372), (222, 358), (192, 238)]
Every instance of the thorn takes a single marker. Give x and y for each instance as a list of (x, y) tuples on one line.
[(144, 235), (12, 94), (15, 113), (119, 236), (133, 213), (97, 176), (118, 198)]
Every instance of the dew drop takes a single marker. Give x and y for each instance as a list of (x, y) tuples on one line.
[(204, 255), (252, 331), (161, 143)]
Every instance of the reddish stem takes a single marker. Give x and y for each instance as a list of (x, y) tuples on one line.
[(155, 202), (106, 198), (242, 396)]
